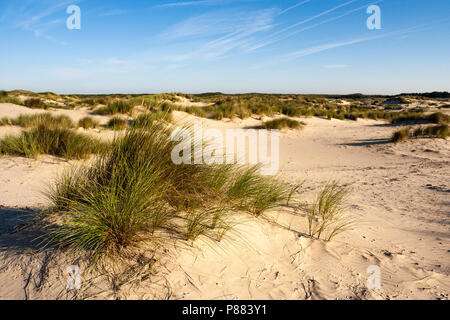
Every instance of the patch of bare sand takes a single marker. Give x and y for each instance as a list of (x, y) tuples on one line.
[(400, 198)]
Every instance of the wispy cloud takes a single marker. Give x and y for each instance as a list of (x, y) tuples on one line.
[(290, 34), (116, 12), (314, 17), (328, 46), (29, 22), (223, 32), (335, 66), (190, 3), (294, 6), (333, 45), (39, 23)]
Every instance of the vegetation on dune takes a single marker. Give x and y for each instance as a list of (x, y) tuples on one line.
[(52, 139), (5, 98), (400, 135), (28, 121), (437, 118), (35, 103), (88, 123), (115, 107), (117, 123), (327, 217), (283, 123), (439, 131), (146, 119), (134, 190), (434, 131)]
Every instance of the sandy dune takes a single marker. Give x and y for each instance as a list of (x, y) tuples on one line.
[(400, 198)]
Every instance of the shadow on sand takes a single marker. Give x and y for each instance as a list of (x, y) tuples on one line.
[(20, 230), (367, 142)]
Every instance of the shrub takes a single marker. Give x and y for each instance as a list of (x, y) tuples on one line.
[(52, 140), (282, 123), (88, 123)]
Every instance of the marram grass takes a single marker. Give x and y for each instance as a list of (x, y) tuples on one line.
[(134, 190), (52, 140), (328, 214)]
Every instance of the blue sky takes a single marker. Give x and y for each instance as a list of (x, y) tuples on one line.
[(294, 46)]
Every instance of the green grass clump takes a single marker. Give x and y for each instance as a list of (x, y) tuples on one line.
[(146, 119), (439, 118), (282, 123), (196, 111), (327, 217), (50, 139), (434, 131), (400, 135), (439, 131), (87, 123), (35, 103), (117, 123), (134, 190), (28, 121), (5, 98), (114, 107)]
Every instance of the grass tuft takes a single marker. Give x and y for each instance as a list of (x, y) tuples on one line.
[(35, 103), (28, 121), (117, 123), (400, 135), (282, 123), (327, 216), (147, 119), (134, 190), (114, 107), (88, 123), (50, 139)]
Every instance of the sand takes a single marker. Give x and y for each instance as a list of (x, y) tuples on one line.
[(400, 199)]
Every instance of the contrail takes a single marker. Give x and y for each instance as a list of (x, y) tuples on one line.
[(309, 27), (294, 6)]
